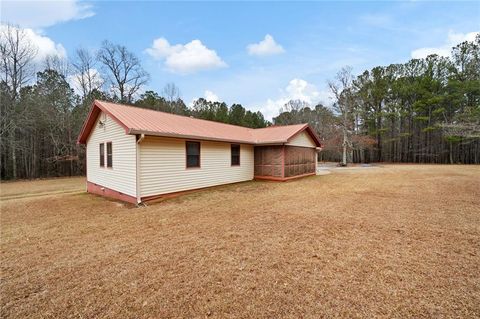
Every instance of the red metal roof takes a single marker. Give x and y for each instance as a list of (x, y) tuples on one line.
[(137, 120), (277, 134)]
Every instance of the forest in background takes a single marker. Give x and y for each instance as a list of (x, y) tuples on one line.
[(423, 111)]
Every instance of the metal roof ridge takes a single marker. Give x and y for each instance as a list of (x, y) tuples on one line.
[(172, 114)]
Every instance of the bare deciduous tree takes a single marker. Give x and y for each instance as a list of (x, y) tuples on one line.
[(126, 75), (171, 92), (17, 54), (86, 75), (294, 106), (341, 88), (57, 63)]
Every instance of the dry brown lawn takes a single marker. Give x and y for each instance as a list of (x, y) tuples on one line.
[(41, 187), (398, 241)]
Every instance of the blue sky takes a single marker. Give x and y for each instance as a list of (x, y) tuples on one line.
[(259, 54)]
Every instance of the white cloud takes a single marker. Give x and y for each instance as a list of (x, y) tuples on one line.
[(41, 14), (207, 95), (297, 89), (185, 58), (43, 44), (456, 38), (424, 52), (444, 50), (210, 96), (267, 46)]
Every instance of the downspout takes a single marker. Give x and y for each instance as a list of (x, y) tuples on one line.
[(140, 139), (317, 152)]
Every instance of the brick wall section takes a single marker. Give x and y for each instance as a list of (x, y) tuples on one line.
[(107, 192)]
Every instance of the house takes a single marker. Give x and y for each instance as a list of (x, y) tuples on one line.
[(135, 154)]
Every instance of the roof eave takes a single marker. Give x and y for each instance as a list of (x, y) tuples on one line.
[(87, 127), (85, 131), (310, 131), (192, 137), (271, 143)]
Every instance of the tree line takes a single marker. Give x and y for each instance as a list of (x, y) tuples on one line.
[(423, 111), (44, 103)]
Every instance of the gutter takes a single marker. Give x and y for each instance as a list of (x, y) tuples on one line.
[(189, 137), (137, 151), (202, 138)]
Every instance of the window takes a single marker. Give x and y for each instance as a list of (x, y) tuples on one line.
[(235, 154), (109, 154), (102, 155), (193, 154)]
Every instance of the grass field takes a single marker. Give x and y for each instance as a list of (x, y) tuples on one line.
[(397, 241), (41, 187)]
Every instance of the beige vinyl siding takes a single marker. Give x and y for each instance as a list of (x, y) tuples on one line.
[(163, 167), (302, 139), (121, 177)]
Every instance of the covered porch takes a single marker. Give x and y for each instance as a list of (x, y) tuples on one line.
[(284, 162)]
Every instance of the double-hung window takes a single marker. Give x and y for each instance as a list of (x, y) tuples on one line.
[(102, 154), (109, 154), (235, 154), (193, 154)]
